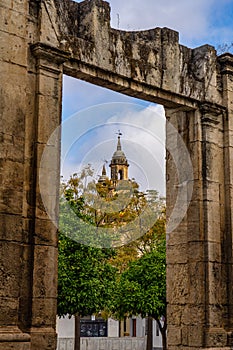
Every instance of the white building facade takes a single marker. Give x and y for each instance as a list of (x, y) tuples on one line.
[(134, 338)]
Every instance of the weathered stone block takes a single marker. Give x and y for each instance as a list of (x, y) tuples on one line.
[(43, 338), (44, 312), (217, 312), (214, 221), (13, 104), (177, 254), (12, 148), (178, 286), (174, 336), (11, 228), (215, 276), (194, 148), (195, 336), (45, 233), (197, 282), (45, 273), (48, 157), (11, 201), (9, 310), (175, 314), (196, 252), (12, 22), (10, 271), (16, 5), (215, 252), (13, 49), (10, 345), (176, 235), (48, 84), (11, 174), (49, 117), (212, 155), (197, 312), (216, 337)]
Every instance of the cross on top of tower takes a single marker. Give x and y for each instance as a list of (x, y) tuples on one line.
[(119, 140), (119, 133)]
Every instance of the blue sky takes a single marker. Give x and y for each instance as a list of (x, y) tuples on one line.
[(97, 113)]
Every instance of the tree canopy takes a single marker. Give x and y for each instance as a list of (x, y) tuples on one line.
[(141, 289), (142, 286), (86, 280)]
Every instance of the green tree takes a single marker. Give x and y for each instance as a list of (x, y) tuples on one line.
[(86, 279), (142, 288), (144, 244)]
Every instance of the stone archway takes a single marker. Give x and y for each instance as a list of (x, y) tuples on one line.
[(41, 40)]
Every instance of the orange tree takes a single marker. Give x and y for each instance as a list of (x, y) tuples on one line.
[(142, 289), (86, 279)]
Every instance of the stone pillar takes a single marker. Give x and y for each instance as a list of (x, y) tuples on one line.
[(14, 239), (196, 249), (185, 272), (213, 187), (226, 66), (47, 179)]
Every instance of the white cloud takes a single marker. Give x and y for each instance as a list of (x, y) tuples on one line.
[(181, 15), (78, 95)]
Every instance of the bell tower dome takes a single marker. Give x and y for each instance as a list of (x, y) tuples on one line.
[(119, 164)]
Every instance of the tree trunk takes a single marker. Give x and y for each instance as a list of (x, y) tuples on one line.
[(163, 331), (119, 328), (77, 332), (149, 343), (164, 339)]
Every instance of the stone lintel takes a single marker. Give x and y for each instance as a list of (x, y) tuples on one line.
[(125, 85)]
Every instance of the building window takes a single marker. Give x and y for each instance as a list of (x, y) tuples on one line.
[(95, 328)]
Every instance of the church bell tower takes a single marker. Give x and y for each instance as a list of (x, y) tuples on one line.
[(119, 164)]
